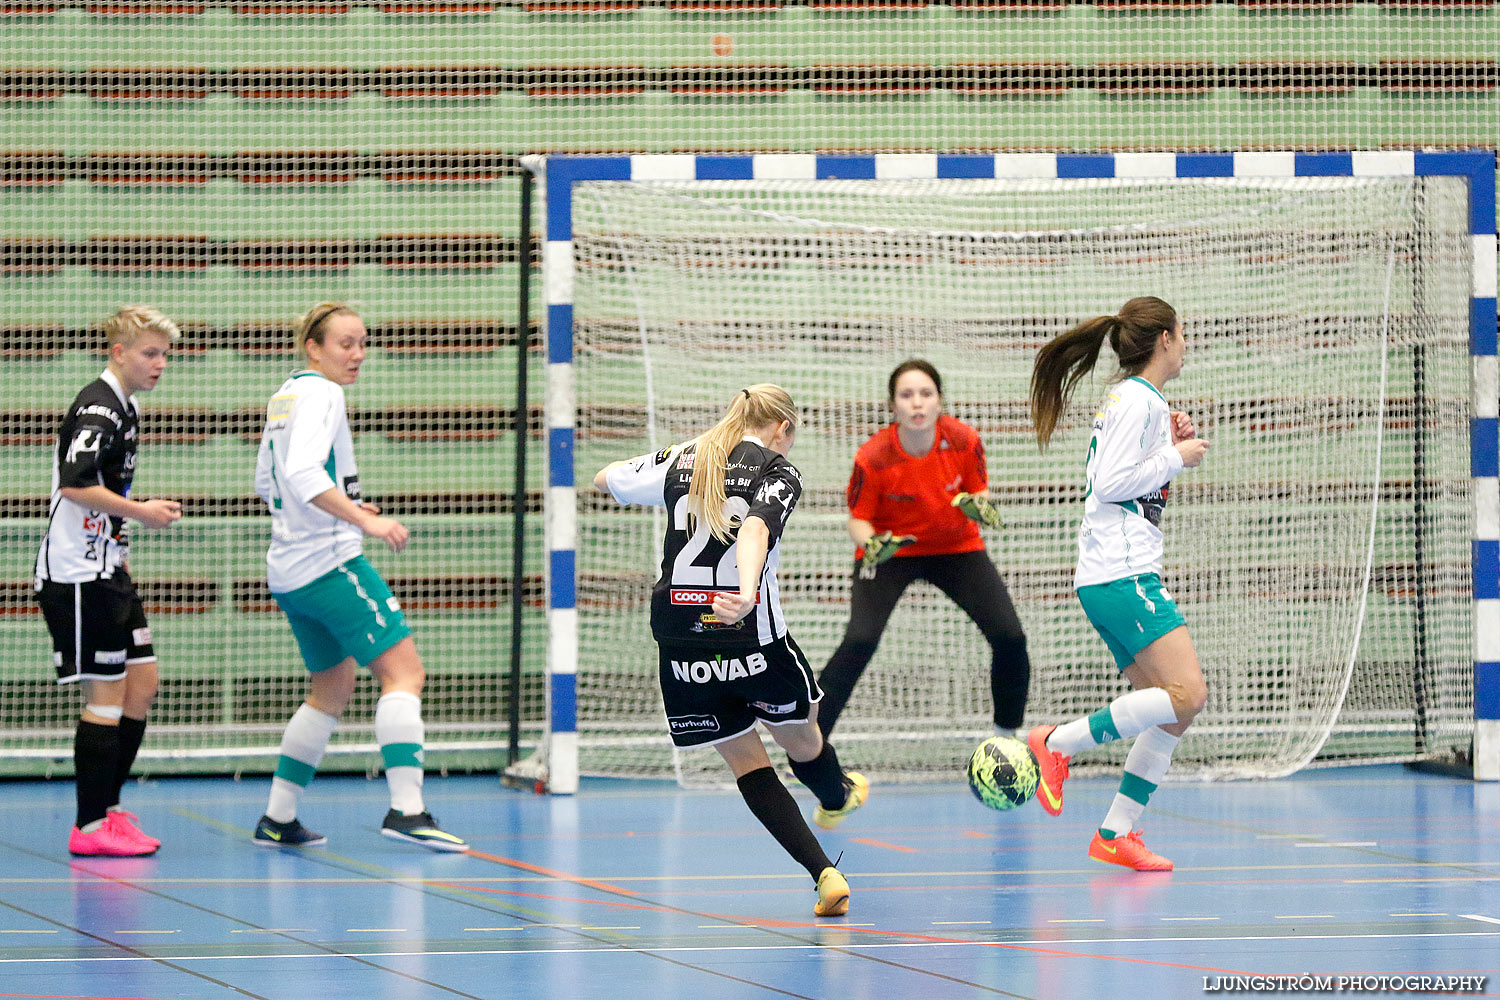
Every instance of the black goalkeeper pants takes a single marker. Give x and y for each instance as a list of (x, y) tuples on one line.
[(972, 583)]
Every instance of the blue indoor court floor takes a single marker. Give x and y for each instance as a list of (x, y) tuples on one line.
[(642, 890)]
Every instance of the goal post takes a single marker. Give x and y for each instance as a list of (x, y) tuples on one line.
[(1336, 556)]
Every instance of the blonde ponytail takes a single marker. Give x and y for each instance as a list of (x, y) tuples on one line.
[(753, 407)]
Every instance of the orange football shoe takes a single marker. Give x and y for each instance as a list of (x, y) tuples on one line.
[(1128, 852), (1052, 768)]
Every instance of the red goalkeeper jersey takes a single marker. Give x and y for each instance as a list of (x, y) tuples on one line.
[(913, 496)]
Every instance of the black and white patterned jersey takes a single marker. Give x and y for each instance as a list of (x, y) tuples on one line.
[(96, 446), (758, 482)]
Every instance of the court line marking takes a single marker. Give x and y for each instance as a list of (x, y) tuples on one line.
[(1338, 843), (374, 930), (955, 923), (797, 946), (148, 932), (881, 843), (28, 932), (778, 927), (550, 873), (1416, 914), (103, 875), (1429, 878), (1187, 918), (486, 929), (622, 927), (709, 877), (1304, 916), (1480, 916), (273, 930)]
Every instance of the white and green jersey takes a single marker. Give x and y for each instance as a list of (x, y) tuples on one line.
[(1131, 460), (305, 450)]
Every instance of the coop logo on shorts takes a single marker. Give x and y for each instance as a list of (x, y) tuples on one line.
[(693, 723), (770, 709), (141, 636), (109, 656)]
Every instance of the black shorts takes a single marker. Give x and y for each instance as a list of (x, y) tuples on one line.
[(98, 628), (715, 695)]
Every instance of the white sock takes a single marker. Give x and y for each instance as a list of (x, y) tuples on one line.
[(1145, 767), (1126, 716), (399, 731), (302, 747)]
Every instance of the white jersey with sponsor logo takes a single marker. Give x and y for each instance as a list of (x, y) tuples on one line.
[(1131, 460), (305, 450)]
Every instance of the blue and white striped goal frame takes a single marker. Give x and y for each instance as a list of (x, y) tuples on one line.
[(562, 172)]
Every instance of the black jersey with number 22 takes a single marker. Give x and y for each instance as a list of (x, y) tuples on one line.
[(695, 565)]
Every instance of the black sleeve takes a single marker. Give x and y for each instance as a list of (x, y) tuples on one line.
[(80, 452), (776, 494)]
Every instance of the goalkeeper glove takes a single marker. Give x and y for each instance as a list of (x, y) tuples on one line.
[(880, 548), (978, 508)]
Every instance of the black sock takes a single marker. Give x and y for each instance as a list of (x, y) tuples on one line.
[(777, 811), (96, 749), (131, 732), (824, 777)]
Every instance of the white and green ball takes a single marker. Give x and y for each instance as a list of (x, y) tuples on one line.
[(1002, 772)]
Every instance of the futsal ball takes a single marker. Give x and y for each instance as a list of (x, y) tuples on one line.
[(1003, 772)]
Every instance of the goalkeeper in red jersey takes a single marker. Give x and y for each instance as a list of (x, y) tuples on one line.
[(917, 498)]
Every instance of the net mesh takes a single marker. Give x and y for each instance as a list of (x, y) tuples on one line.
[(234, 162), (1293, 550)]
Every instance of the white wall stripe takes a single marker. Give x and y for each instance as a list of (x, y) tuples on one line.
[(562, 396), (900, 166), (562, 648), (1487, 630), (557, 271), (1385, 163), (1487, 749), (1486, 385), (785, 166), (1487, 508), (1268, 164), (663, 167), (1025, 165), (562, 765), (1484, 266), (1145, 164), (562, 511)]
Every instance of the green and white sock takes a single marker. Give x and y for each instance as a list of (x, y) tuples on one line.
[(399, 731), (302, 747), (1145, 767), (1126, 716)]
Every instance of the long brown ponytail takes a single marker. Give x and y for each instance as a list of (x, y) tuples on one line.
[(753, 407), (1068, 357)]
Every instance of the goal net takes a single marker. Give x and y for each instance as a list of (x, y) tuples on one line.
[(1320, 554)]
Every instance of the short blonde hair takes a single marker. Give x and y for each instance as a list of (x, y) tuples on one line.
[(126, 325), (310, 326)]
